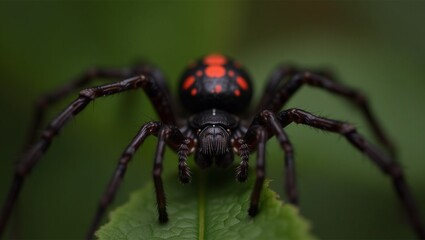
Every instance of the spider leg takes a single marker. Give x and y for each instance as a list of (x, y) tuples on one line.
[(84, 79), (290, 182), (268, 119), (273, 82), (261, 138), (85, 97), (157, 171), (287, 90), (150, 128), (280, 76), (176, 140), (385, 163), (165, 134)]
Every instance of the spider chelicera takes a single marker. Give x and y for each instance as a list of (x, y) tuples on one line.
[(214, 91)]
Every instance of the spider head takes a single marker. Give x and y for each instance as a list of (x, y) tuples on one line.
[(214, 145)]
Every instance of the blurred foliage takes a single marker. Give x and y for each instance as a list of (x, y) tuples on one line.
[(374, 46)]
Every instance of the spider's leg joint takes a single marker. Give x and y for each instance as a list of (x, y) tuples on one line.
[(295, 116), (360, 98), (142, 77), (88, 93), (347, 128), (266, 114), (48, 134)]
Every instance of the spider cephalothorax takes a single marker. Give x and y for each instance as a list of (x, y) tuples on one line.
[(214, 91), (214, 129)]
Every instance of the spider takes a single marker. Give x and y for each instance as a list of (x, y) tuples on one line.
[(214, 92)]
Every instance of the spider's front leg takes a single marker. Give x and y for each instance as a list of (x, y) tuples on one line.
[(259, 135), (148, 129), (155, 93), (166, 134), (261, 129), (163, 136)]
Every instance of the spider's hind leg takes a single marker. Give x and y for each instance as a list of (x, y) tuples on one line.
[(277, 97)]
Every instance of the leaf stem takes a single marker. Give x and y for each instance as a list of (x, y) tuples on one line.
[(202, 204)]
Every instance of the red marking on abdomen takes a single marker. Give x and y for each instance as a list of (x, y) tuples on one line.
[(193, 92), (215, 71), (199, 73), (188, 82), (237, 93), (242, 82), (231, 73), (217, 88), (215, 59)]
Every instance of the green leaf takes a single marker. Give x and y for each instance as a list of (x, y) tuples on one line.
[(211, 207)]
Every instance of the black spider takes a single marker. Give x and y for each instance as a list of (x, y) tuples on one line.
[(213, 90)]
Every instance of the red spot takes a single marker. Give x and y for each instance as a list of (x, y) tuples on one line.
[(193, 92), (218, 88), (188, 82), (199, 73), (215, 71), (242, 82), (237, 92), (215, 59), (231, 73)]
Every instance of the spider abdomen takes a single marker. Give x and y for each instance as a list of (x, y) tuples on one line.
[(215, 81)]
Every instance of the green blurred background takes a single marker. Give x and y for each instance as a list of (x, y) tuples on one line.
[(374, 46)]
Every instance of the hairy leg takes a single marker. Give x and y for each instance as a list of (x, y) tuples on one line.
[(35, 153), (276, 99), (148, 129), (386, 164)]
